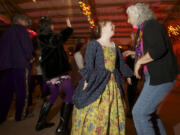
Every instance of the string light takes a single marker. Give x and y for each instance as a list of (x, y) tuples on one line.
[(120, 46), (4, 20), (86, 9), (173, 31), (32, 33)]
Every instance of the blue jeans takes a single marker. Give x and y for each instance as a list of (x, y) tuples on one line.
[(145, 118)]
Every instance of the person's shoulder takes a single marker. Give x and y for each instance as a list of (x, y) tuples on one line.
[(152, 26), (18, 26), (92, 43), (13, 29), (152, 23), (48, 36)]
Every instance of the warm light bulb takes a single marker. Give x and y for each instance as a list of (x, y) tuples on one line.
[(86, 11)]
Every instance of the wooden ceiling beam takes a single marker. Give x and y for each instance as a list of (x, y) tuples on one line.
[(121, 36), (51, 8), (77, 7), (124, 32), (60, 16), (171, 12), (72, 22), (6, 8), (92, 4), (16, 7), (117, 32), (81, 15), (87, 28), (123, 26), (164, 1), (82, 33), (73, 27), (123, 3), (87, 36), (24, 1), (11, 7), (80, 22), (127, 31)]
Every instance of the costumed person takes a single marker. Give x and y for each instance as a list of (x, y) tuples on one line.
[(98, 99), (15, 54), (154, 55), (37, 78), (55, 67), (77, 64), (78, 56), (132, 90)]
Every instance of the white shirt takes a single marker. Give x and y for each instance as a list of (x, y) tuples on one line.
[(39, 71), (79, 60)]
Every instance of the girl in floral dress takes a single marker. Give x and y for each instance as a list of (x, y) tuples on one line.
[(99, 104)]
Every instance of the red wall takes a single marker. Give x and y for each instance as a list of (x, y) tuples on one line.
[(176, 47)]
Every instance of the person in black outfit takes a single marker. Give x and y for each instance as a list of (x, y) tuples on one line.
[(131, 89), (155, 57), (55, 67)]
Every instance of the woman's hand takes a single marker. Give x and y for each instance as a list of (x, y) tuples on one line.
[(85, 85), (128, 53), (136, 69), (68, 22), (143, 60), (129, 81)]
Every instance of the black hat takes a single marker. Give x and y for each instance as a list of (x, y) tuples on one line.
[(44, 22)]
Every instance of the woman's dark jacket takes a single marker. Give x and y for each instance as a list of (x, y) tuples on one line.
[(54, 61), (97, 76), (156, 41)]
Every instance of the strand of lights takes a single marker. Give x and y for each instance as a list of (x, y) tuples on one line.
[(4, 20), (32, 33), (86, 11), (174, 31)]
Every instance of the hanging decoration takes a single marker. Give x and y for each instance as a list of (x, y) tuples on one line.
[(32, 33), (4, 19), (86, 9), (174, 31)]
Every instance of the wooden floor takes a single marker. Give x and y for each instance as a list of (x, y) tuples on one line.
[(169, 111)]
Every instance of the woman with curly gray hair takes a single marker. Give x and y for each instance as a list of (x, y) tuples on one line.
[(154, 56)]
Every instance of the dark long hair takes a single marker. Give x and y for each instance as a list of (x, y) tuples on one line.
[(44, 25), (78, 47), (96, 33)]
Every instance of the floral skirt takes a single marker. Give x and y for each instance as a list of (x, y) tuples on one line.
[(105, 116)]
